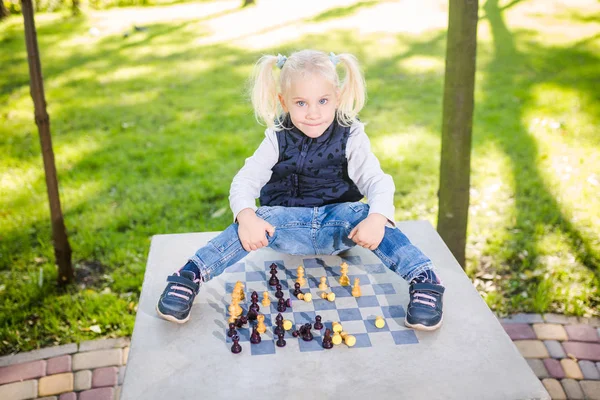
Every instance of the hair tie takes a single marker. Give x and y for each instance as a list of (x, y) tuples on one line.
[(334, 59), (281, 59)]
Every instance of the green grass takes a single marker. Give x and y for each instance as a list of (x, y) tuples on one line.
[(149, 130)]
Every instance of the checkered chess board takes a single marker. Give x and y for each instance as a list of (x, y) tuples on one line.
[(380, 297)]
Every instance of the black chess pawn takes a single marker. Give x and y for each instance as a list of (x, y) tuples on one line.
[(273, 280), (307, 335), (236, 347), (318, 324), (295, 333), (280, 342), (327, 341), (297, 290), (278, 293), (281, 307), (255, 337), (288, 303), (231, 330)]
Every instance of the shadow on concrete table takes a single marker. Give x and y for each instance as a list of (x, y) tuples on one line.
[(469, 357)]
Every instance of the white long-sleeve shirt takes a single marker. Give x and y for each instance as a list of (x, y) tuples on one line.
[(363, 168)]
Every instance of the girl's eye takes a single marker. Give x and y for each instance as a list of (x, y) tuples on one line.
[(323, 101), (300, 103)]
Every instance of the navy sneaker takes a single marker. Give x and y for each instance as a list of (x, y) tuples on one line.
[(176, 301), (425, 306)]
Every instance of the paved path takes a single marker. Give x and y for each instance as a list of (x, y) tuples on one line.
[(564, 352)]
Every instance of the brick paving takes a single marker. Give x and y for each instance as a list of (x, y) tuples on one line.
[(92, 370), (562, 351)]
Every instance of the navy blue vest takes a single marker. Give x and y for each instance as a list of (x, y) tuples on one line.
[(310, 172)]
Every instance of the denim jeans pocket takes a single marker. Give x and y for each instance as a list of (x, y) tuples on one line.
[(224, 241), (358, 206), (263, 211)]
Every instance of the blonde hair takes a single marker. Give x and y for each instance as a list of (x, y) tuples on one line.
[(265, 87)]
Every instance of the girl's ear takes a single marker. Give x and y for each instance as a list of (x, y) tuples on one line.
[(282, 101)]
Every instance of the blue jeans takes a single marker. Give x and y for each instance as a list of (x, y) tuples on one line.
[(312, 230)]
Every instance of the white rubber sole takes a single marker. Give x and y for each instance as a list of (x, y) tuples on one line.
[(422, 327), (172, 318)]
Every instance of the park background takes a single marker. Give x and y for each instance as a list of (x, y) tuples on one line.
[(150, 121)]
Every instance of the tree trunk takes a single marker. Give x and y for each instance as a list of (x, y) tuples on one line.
[(457, 120), (3, 10), (75, 10), (62, 249)]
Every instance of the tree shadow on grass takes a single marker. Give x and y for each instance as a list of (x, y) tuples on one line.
[(536, 207)]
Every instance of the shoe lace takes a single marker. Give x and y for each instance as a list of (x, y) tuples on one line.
[(421, 296), (424, 298), (181, 288)]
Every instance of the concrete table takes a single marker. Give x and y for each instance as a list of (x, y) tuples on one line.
[(469, 357)]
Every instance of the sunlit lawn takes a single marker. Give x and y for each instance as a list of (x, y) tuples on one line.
[(149, 129)]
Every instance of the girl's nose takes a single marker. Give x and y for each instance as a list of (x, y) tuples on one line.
[(313, 112)]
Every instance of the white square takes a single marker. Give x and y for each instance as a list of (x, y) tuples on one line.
[(353, 327), (370, 312), (381, 339), (345, 302)]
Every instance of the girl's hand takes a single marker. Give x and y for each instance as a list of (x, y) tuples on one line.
[(369, 232), (251, 230)]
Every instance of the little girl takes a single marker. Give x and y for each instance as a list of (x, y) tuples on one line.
[(309, 174)]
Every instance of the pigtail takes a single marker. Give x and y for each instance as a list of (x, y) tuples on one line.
[(264, 91), (353, 90)]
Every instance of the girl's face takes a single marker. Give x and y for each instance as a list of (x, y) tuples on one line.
[(311, 101)]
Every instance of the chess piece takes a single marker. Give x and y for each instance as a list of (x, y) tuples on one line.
[(235, 300), (280, 342), (278, 293), (348, 339), (318, 324), (232, 313), (336, 327), (297, 290), (337, 338), (281, 306), (278, 324), (287, 324), (236, 347), (273, 280), (327, 342), (239, 288), (231, 330), (241, 321), (344, 280), (379, 322), (288, 303), (295, 333), (356, 292), (266, 302), (255, 337), (251, 315), (328, 296), (323, 284), (307, 297), (260, 326), (301, 280), (307, 335)]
